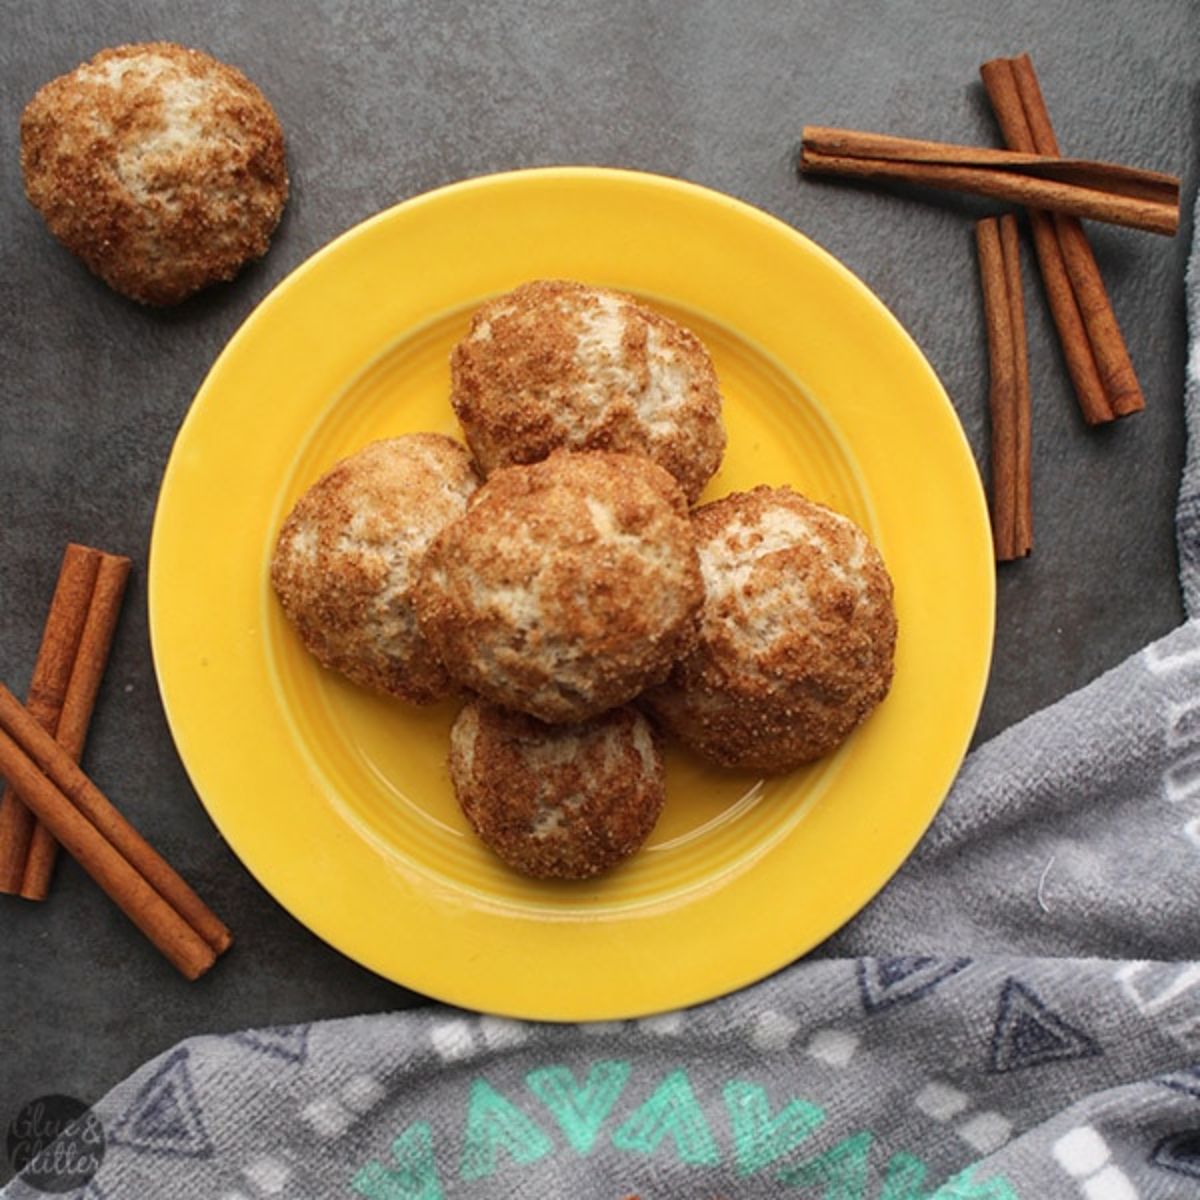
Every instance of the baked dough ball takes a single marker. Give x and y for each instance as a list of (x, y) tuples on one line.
[(346, 560), (557, 801), (567, 587), (796, 639), (159, 166), (558, 364)]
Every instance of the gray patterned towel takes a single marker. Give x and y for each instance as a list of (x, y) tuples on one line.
[(1017, 1015)]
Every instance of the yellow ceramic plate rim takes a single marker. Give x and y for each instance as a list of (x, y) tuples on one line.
[(220, 502)]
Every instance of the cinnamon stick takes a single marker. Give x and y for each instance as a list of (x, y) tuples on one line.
[(1095, 352), (47, 692), (130, 871), (1010, 247), (1121, 386), (1008, 393), (1147, 200), (1116, 179), (75, 717)]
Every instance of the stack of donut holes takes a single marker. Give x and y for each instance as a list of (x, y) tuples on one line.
[(556, 576)]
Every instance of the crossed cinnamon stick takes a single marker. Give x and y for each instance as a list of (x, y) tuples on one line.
[(50, 800), (1103, 191), (62, 692), (1093, 347), (1057, 191)]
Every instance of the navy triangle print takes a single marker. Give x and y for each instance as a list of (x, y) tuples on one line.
[(288, 1042), (165, 1116), (886, 982), (1187, 1082), (1027, 1033), (1180, 1153)]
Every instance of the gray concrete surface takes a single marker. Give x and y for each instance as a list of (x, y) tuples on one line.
[(384, 100)]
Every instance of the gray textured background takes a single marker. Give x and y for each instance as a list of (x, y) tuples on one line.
[(381, 101)]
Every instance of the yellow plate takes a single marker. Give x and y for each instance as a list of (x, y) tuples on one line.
[(339, 802)]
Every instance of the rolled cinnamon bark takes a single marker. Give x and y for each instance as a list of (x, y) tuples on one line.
[(1121, 195), (91, 657), (47, 692), (1008, 386), (1095, 352), (142, 884), (66, 677)]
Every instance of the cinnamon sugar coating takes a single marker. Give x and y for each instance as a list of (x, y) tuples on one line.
[(557, 801), (557, 364), (797, 636), (346, 560), (159, 166), (568, 586)]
